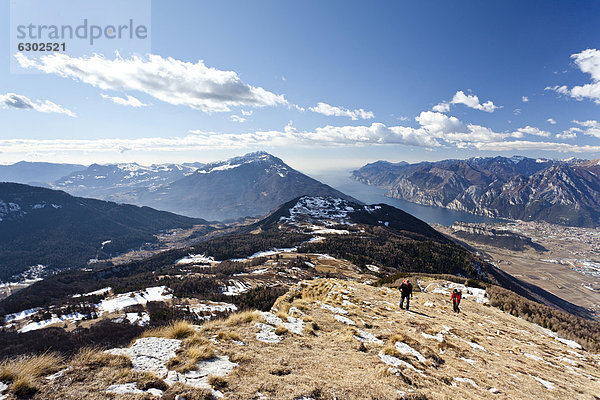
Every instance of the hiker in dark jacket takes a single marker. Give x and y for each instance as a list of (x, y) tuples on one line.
[(456, 296), (406, 293)]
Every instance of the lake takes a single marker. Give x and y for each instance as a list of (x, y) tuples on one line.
[(372, 195)]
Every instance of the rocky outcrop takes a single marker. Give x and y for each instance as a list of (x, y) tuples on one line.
[(562, 192)]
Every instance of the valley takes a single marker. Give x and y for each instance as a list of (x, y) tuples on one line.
[(568, 268)]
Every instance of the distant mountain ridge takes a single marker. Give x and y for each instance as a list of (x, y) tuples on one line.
[(564, 192), (249, 185), (40, 226), (36, 172)]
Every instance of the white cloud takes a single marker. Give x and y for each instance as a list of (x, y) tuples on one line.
[(442, 107), (540, 146), (129, 101), (13, 100), (517, 111), (237, 118), (524, 99), (247, 113), (551, 121), (329, 110), (570, 133), (472, 101), (530, 130), (588, 61), (592, 127), (173, 81)]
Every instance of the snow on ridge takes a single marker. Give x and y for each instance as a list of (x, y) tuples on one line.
[(98, 292), (124, 300), (196, 259), (32, 326), (21, 315), (324, 209)]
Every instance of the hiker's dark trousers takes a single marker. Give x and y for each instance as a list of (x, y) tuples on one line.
[(407, 301), (455, 305)]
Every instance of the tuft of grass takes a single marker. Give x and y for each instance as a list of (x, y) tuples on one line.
[(281, 330), (92, 357), (23, 373), (399, 337), (179, 390), (229, 335), (196, 340), (243, 317), (150, 381), (201, 353), (217, 382), (175, 330), (23, 386)]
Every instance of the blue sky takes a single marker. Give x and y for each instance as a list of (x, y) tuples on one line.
[(397, 81)]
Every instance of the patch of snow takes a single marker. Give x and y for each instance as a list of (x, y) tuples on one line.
[(235, 288), (396, 362), (403, 348), (439, 337), (58, 374), (372, 267), (33, 326), (463, 380), (328, 231), (323, 209), (137, 319), (547, 384), (367, 337), (98, 292), (571, 343), (195, 259), (124, 300), (568, 361), (123, 388), (260, 271), (198, 378), (468, 360), (20, 315), (335, 310), (212, 306), (344, 320), (150, 354), (267, 334)]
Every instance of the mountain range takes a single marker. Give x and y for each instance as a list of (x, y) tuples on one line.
[(563, 192), (40, 226), (247, 186)]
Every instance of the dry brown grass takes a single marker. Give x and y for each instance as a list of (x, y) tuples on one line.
[(217, 382), (187, 392), (243, 317), (200, 353), (229, 335), (281, 330), (96, 357), (175, 330), (23, 373)]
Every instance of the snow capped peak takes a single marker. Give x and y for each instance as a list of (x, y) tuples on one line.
[(517, 159), (259, 156)]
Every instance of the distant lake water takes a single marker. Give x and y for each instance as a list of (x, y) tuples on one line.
[(372, 195)]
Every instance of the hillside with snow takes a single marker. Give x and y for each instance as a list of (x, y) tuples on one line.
[(329, 338)]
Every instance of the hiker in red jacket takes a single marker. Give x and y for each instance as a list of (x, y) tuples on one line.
[(405, 291), (456, 296)]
